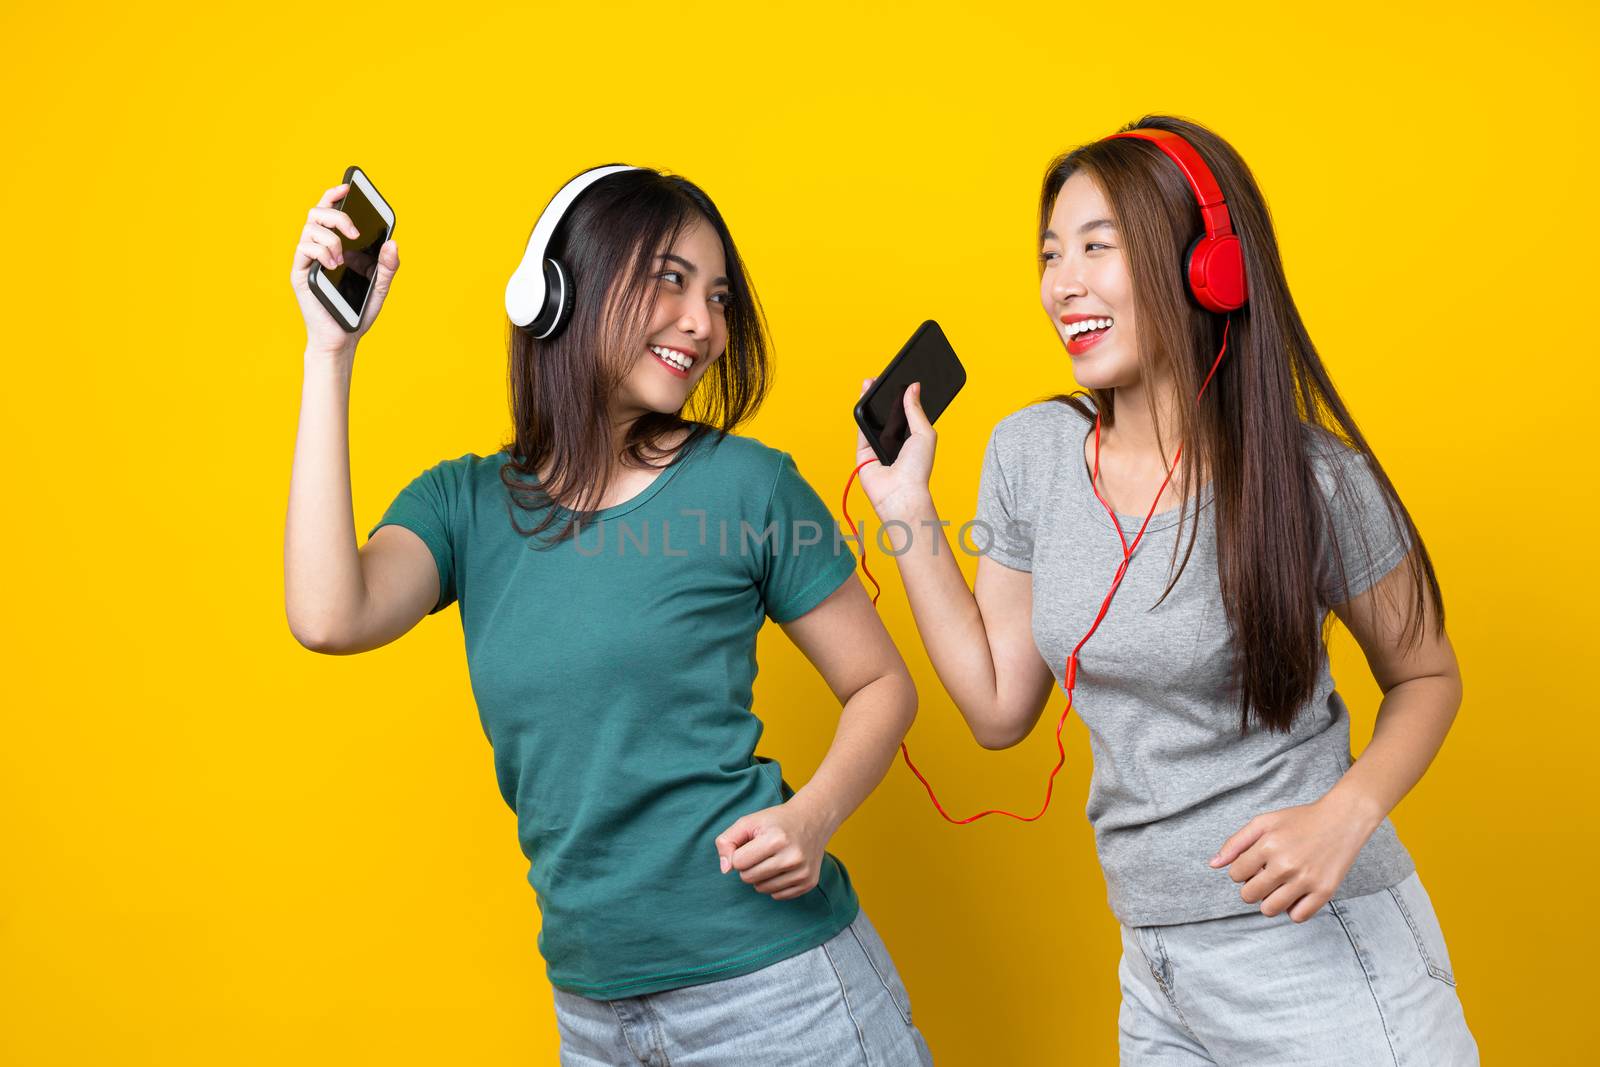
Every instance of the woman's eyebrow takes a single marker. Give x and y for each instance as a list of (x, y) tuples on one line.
[(1092, 224), (690, 267)]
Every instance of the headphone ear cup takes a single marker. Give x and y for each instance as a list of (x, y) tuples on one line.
[(558, 297), (1214, 268)]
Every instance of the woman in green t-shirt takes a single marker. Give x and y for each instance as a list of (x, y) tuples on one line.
[(614, 563)]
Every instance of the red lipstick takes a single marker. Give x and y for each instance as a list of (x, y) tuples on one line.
[(1081, 343)]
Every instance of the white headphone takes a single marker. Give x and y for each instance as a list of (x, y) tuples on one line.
[(540, 293)]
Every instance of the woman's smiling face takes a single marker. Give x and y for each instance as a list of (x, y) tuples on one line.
[(1086, 287), (688, 328)]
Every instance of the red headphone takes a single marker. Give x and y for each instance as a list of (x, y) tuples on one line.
[(1215, 263)]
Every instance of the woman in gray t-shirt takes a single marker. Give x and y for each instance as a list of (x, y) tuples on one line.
[(1168, 547)]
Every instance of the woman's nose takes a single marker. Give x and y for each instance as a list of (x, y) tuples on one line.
[(1066, 284), (695, 324)]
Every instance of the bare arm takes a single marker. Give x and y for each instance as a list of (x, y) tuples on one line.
[(847, 644), (1294, 859), (1421, 695), (981, 644), (338, 599), (779, 850)]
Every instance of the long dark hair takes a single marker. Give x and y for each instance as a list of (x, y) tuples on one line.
[(560, 388), (1248, 433)]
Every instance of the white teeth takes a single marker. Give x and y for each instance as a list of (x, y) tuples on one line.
[(1084, 325), (677, 359)]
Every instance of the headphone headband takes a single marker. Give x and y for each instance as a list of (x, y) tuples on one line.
[(1215, 263), (1207, 193), (529, 286)]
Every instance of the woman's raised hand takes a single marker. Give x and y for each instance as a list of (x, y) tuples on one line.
[(320, 243), (896, 491)]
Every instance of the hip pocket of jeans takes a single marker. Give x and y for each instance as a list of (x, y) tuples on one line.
[(877, 954), (1417, 909)]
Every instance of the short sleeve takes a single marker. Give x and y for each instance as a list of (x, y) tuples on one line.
[(803, 558), (1367, 541), (427, 508), (1007, 535)]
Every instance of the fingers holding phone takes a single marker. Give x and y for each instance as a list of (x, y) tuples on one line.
[(894, 426), (898, 490), (344, 263), (917, 420)]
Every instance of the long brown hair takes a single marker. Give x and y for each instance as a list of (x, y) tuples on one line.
[(1248, 433), (560, 388)]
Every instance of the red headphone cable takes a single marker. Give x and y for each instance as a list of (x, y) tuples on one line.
[(1071, 667)]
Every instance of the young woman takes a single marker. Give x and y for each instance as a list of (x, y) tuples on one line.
[(613, 564), (1269, 912)]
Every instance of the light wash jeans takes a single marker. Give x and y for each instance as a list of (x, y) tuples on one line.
[(841, 1004), (1366, 980)]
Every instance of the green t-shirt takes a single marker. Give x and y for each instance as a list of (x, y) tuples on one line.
[(613, 678)]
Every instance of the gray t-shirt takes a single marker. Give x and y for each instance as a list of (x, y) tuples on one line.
[(1173, 777)]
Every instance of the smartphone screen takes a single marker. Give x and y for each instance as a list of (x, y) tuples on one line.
[(926, 358), (353, 278)]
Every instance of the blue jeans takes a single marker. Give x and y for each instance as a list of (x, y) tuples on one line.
[(841, 1004), (1366, 980)]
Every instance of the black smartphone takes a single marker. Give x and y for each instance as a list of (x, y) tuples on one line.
[(344, 290), (926, 358)]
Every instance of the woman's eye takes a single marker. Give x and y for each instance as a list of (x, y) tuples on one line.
[(1092, 246), (724, 299), (1045, 257), (676, 277)]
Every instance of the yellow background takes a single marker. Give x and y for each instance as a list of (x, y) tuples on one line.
[(217, 847)]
